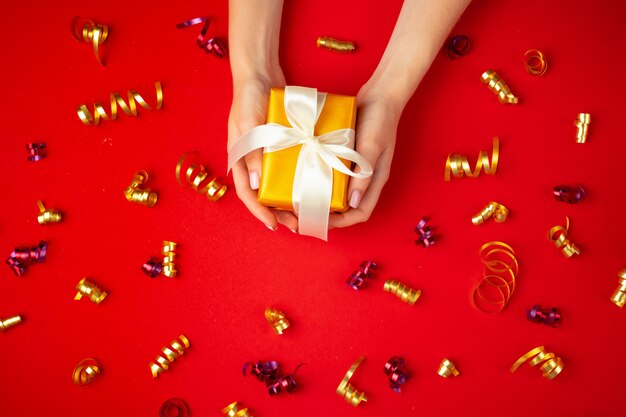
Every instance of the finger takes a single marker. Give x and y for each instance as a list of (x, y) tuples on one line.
[(287, 219), (254, 161), (249, 196), (371, 151)]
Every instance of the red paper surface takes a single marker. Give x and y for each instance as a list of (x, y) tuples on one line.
[(232, 267)]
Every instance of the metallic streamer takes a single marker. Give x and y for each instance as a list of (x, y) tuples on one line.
[(535, 62), (567, 194), (135, 193), (447, 369), (397, 373), (198, 178), (346, 390), (619, 296), (494, 290), (47, 216), (86, 371), (91, 290), (334, 44), (169, 267), (215, 45), (234, 410), (357, 278), (92, 33), (174, 407), (458, 165), (551, 317), (424, 233), (497, 210), (582, 125), (402, 291), (458, 46), (498, 87), (277, 320), (169, 354), (551, 365), (35, 151), (9, 322), (558, 235)]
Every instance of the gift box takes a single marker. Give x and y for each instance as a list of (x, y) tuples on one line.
[(279, 167)]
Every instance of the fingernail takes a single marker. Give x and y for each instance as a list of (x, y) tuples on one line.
[(254, 180), (293, 230), (355, 199), (273, 229)]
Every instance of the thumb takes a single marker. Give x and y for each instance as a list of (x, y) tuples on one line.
[(254, 162), (358, 186)]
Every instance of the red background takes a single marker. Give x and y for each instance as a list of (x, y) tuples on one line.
[(232, 267)]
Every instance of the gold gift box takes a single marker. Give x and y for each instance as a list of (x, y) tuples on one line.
[(279, 167)]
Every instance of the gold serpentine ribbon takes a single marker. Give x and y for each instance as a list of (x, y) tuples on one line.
[(129, 109), (345, 389), (498, 87), (197, 176), (619, 296), (499, 274), (277, 320), (9, 322), (86, 371), (551, 365), (458, 165), (447, 369), (137, 194), (91, 290), (497, 210), (402, 291), (582, 124), (558, 234), (535, 62), (169, 267), (234, 410), (92, 33), (168, 355), (47, 216), (334, 44)]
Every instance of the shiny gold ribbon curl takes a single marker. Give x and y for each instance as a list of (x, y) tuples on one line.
[(277, 320), (168, 355), (9, 322), (197, 176), (458, 165), (129, 109), (551, 365), (447, 369), (334, 44), (348, 391), (496, 85), (535, 62), (500, 271), (91, 290), (234, 410), (92, 33), (169, 255), (402, 291), (47, 216), (86, 371), (558, 235), (582, 125), (493, 209), (135, 193), (619, 296)]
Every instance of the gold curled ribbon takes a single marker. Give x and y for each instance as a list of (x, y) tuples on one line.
[(347, 390), (168, 355), (458, 165), (169, 267), (402, 291), (551, 365), (9, 322), (90, 289), (233, 410), (498, 87), (497, 210), (137, 194), (499, 274), (558, 234), (277, 320), (582, 124), (92, 33), (198, 177), (447, 369), (535, 62), (619, 296), (86, 371), (334, 44), (129, 109), (47, 216)]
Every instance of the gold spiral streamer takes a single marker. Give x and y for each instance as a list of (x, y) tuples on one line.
[(558, 235), (47, 216), (458, 165), (551, 365), (447, 369), (90, 32), (497, 285), (498, 87), (169, 267), (402, 291), (86, 371), (234, 410), (535, 62), (493, 209), (345, 389), (619, 296), (129, 109), (277, 320), (135, 193), (582, 124), (198, 177), (169, 354), (334, 44), (91, 290), (9, 322)]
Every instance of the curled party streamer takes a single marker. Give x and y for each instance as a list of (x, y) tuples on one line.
[(535, 62), (152, 267), (169, 354), (129, 109), (9, 322), (270, 374), (277, 320), (197, 176), (85, 371), (396, 371), (551, 365), (558, 235), (47, 216), (167, 250), (348, 391), (497, 285), (91, 290), (496, 85), (213, 45), (458, 46), (425, 235), (552, 317), (567, 194), (174, 407), (619, 296), (91, 33), (402, 291), (235, 410), (497, 210), (35, 151), (334, 44), (21, 257), (136, 193), (458, 165), (582, 125), (447, 369), (365, 271)]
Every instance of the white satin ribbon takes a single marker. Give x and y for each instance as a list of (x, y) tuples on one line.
[(313, 180)]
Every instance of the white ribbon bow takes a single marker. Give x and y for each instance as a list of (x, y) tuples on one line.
[(313, 180)]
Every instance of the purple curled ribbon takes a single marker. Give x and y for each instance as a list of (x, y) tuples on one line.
[(22, 257), (357, 278), (397, 373), (152, 267), (213, 45), (424, 233), (35, 151), (568, 194), (551, 317), (269, 373), (458, 46)]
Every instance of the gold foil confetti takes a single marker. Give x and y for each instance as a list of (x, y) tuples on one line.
[(498, 87), (92, 33), (47, 216), (90, 289), (582, 124), (458, 165), (402, 291), (551, 365), (169, 268), (347, 390), (447, 369), (334, 44), (535, 62), (558, 234), (135, 193), (129, 109), (85, 371), (234, 410), (9, 322), (497, 285), (197, 176), (169, 354), (276, 319), (497, 210), (619, 296)]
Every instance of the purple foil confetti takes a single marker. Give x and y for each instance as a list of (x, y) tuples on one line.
[(567, 194), (397, 373), (551, 317), (425, 233)]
